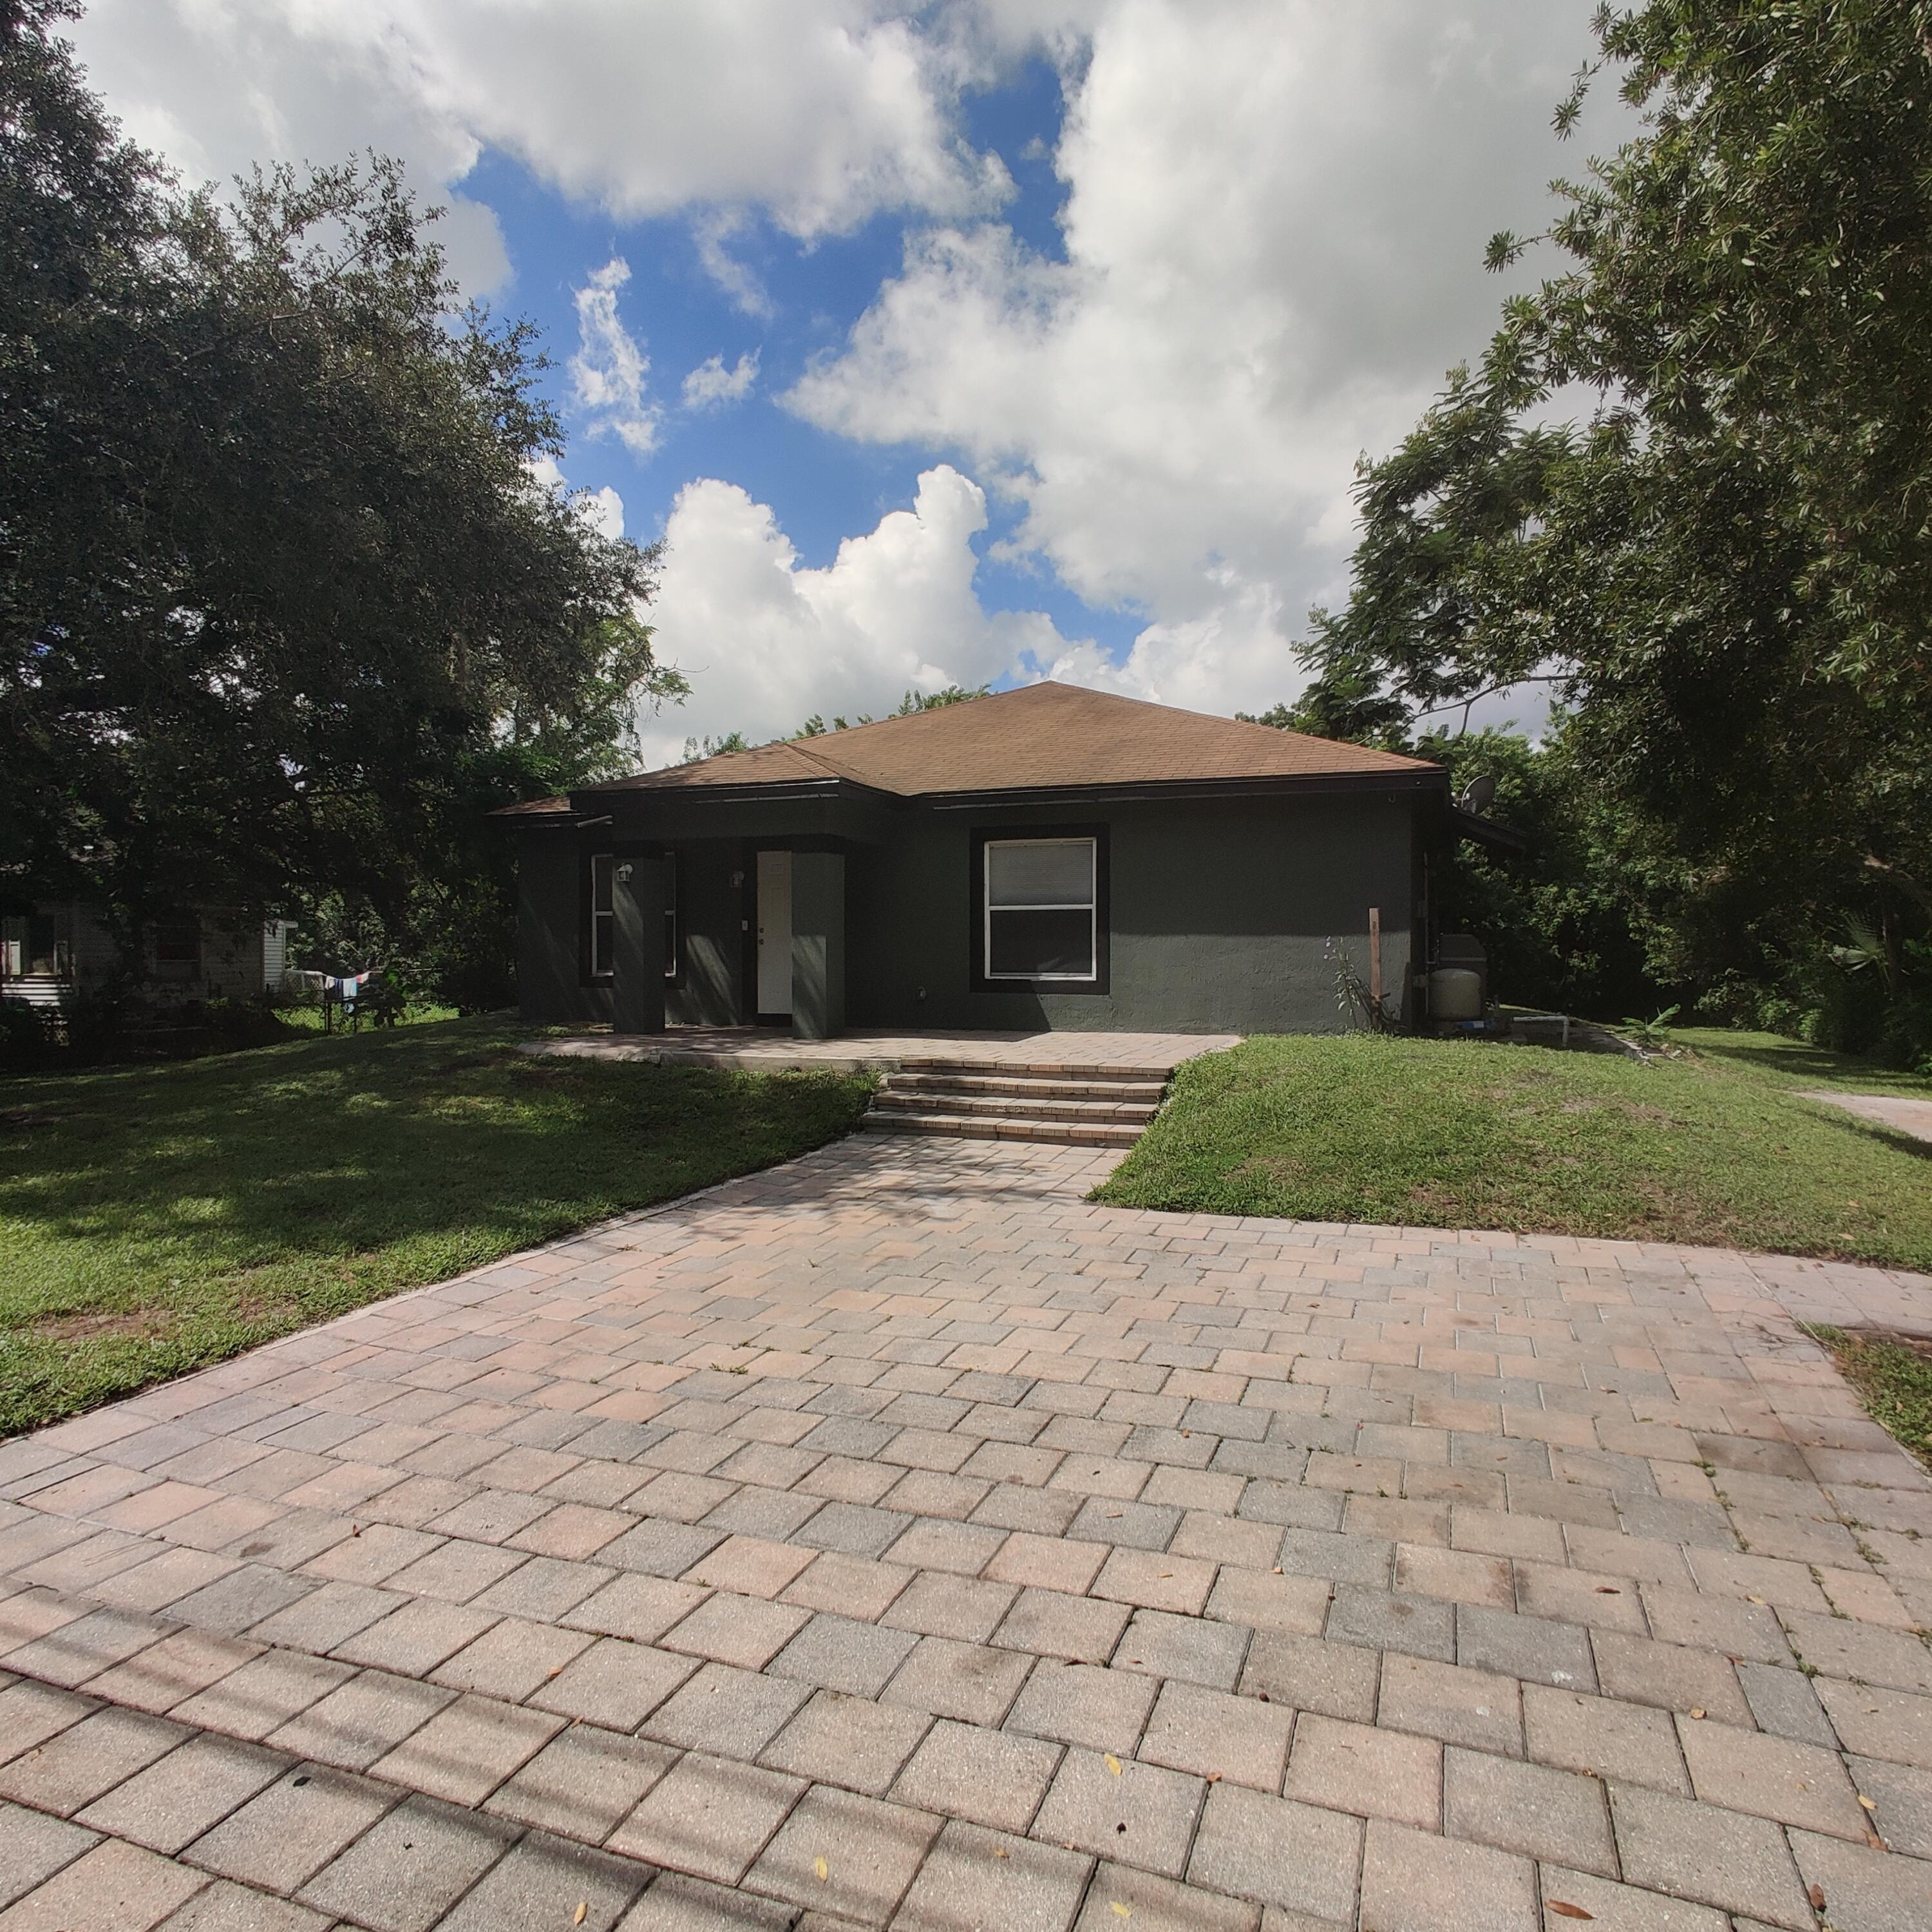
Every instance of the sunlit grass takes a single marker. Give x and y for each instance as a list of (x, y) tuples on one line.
[(1717, 1149), (153, 1218)]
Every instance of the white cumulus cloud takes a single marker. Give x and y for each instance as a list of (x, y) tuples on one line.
[(1274, 218), (766, 640), (822, 112), (603, 509), (711, 384), (607, 371), (1274, 215)]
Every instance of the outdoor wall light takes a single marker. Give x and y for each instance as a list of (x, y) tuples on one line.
[(624, 873)]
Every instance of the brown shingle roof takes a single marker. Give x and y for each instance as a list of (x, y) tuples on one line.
[(1039, 737)]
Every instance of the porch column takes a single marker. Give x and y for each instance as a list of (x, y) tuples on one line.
[(638, 960), (817, 944)]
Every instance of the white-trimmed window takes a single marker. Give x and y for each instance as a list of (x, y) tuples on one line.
[(1042, 918), (603, 915)]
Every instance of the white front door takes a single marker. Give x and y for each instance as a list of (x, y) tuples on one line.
[(775, 932)]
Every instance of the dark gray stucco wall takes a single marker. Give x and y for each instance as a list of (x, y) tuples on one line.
[(549, 914), (711, 938), (1224, 917), (818, 944)]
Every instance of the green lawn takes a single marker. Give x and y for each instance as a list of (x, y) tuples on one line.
[(154, 1219), (309, 1018), (1716, 1149)]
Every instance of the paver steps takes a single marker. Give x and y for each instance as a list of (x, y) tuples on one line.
[(1092, 1106)]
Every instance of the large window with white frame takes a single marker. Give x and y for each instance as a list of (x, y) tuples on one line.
[(1042, 910)]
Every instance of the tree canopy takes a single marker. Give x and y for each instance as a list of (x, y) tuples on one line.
[(283, 607), (1722, 569), (910, 706)]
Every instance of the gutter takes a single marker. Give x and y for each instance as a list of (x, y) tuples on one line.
[(1490, 831), (772, 790), (1160, 791)]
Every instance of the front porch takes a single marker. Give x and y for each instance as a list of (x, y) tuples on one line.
[(1070, 1089)]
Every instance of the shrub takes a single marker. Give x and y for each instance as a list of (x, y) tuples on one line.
[(27, 1037)]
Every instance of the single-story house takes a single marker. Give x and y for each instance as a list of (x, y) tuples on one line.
[(1046, 857), (49, 948)]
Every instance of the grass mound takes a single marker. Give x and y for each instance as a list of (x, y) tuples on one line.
[(155, 1219), (1718, 1149)]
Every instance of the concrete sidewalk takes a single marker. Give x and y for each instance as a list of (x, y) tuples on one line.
[(768, 1050), (895, 1539)]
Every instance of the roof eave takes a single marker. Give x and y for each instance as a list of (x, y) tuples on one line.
[(1427, 779), (774, 791), (1490, 831), (537, 812)]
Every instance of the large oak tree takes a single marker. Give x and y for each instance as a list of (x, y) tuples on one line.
[(1724, 568), (282, 609)]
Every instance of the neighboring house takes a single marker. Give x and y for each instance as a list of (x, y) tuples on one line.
[(1046, 857), (48, 951)]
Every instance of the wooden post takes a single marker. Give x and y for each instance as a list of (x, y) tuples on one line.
[(1376, 966)]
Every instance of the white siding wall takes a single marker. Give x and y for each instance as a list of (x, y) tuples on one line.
[(235, 964)]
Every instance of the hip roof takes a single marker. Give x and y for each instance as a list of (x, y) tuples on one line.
[(1040, 737)]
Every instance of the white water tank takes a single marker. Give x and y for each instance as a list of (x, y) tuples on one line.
[(1455, 993)]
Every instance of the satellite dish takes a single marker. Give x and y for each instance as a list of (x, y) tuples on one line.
[(1477, 795)]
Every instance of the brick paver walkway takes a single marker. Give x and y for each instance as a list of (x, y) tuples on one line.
[(895, 1539)]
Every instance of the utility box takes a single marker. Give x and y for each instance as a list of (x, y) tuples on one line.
[(1459, 983)]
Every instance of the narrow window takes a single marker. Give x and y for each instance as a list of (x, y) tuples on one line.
[(670, 915), (603, 916), (1041, 919)]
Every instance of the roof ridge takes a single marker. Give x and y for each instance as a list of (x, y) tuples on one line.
[(1047, 735), (817, 758)]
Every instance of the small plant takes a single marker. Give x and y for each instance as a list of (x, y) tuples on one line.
[(383, 999), (28, 1038), (1356, 1003), (1863, 948), (1654, 1035)]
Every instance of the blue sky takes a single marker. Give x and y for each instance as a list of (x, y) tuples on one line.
[(825, 487), (1063, 322)]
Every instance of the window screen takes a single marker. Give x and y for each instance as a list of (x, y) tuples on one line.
[(1040, 922), (603, 914)]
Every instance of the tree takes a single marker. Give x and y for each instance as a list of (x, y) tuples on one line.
[(1724, 570), (284, 608), (910, 706)]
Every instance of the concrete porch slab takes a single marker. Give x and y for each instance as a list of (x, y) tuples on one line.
[(766, 1050)]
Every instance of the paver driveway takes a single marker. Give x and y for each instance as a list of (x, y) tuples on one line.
[(896, 1539)]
